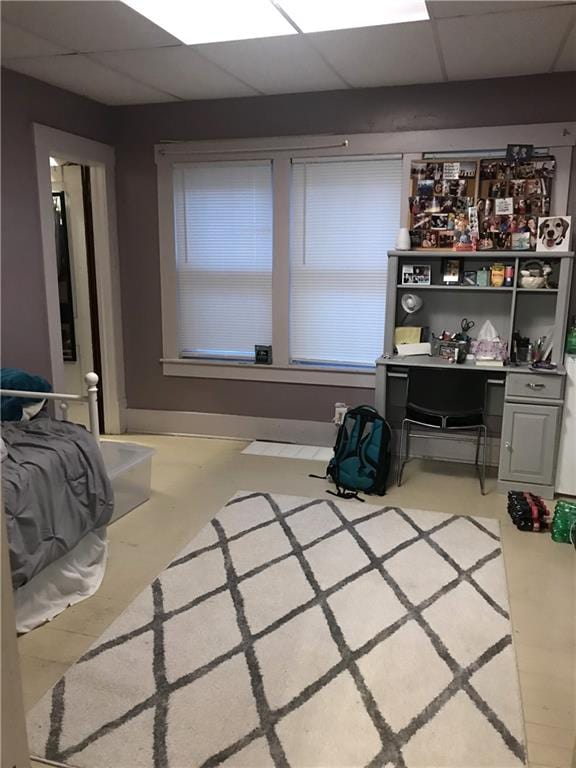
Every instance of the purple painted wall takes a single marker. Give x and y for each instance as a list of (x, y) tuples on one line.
[(24, 102), (450, 105), (134, 130)]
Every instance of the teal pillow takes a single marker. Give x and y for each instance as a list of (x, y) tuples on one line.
[(14, 378)]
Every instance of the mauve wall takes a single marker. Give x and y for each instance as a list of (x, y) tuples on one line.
[(24, 102), (453, 105), (135, 130)]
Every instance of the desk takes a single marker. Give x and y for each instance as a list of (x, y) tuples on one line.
[(530, 403), (532, 411)]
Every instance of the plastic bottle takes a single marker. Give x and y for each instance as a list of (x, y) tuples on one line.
[(564, 522), (571, 338)]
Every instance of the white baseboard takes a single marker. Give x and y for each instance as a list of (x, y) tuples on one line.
[(139, 420), (190, 423)]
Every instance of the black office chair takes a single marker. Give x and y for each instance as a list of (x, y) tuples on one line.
[(446, 400)]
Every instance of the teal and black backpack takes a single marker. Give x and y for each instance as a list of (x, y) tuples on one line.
[(362, 454)]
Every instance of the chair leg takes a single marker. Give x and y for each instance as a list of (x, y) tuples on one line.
[(401, 459), (478, 445), (483, 470)]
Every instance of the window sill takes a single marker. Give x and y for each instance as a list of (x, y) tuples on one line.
[(293, 374)]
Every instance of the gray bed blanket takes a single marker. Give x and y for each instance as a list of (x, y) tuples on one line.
[(55, 491)]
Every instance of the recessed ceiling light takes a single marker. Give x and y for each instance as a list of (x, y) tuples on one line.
[(321, 15), (214, 21)]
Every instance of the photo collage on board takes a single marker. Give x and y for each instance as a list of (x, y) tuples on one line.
[(442, 193), (511, 197), (490, 204)]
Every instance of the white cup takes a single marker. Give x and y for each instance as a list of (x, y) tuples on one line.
[(403, 242)]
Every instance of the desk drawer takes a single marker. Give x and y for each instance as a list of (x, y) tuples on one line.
[(535, 385)]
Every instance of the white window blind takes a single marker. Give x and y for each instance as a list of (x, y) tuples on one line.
[(345, 216), (223, 235)]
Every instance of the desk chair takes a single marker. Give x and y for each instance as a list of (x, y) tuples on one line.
[(446, 400)]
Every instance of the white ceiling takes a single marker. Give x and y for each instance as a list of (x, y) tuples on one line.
[(106, 51)]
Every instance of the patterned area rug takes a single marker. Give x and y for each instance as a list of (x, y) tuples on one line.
[(296, 632)]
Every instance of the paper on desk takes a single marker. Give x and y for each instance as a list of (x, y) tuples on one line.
[(405, 350)]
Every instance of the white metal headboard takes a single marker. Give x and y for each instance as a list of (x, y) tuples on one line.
[(91, 397)]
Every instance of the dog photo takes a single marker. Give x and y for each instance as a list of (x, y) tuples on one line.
[(554, 233)]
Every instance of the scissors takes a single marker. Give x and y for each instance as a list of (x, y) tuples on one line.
[(466, 325)]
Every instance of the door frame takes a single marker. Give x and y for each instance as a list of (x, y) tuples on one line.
[(50, 142)]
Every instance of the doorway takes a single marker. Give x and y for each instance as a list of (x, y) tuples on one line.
[(77, 289), (77, 210)]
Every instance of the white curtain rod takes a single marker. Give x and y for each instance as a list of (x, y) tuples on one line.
[(183, 151)]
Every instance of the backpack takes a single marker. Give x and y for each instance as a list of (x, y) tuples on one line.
[(362, 454)]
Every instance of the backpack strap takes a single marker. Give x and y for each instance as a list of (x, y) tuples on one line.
[(342, 494)]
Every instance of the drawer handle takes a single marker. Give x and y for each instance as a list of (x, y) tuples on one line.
[(532, 385), (508, 446)]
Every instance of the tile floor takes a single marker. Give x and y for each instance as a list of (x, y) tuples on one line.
[(193, 477)]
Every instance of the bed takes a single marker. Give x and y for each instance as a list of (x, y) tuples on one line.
[(58, 500)]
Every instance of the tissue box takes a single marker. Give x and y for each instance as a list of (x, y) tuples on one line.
[(489, 350)]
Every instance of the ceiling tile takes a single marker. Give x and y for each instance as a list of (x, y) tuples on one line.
[(567, 59), (505, 44), (86, 25), (178, 70), (275, 65), (442, 9), (80, 75), (396, 54), (17, 42)]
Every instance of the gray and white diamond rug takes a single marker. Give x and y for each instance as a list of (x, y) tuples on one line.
[(298, 632)]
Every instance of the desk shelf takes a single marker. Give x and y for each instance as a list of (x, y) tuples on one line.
[(508, 308), (537, 290), (502, 289)]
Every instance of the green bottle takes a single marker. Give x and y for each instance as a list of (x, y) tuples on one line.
[(571, 338), (564, 522)]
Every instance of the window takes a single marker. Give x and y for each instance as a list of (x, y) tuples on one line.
[(223, 243), (344, 219)]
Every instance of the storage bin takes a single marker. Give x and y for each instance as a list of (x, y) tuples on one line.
[(129, 468)]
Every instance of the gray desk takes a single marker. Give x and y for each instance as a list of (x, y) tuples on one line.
[(532, 410), (526, 428)]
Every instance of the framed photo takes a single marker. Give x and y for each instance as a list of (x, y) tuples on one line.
[(521, 241), (467, 170), (469, 277), (439, 221), (425, 188), (416, 274), (445, 239), (518, 153), (451, 271), (554, 233)]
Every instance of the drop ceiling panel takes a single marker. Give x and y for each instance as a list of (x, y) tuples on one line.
[(500, 45), (275, 65), (79, 74), (178, 70), (398, 54), (440, 9), (86, 25), (567, 59), (17, 42)]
